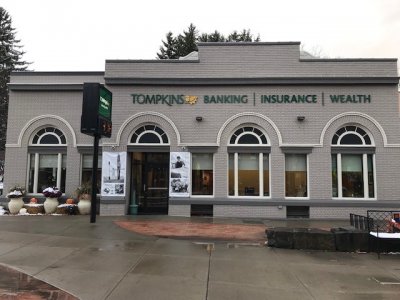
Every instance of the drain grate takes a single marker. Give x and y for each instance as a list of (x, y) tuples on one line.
[(240, 245), (208, 246)]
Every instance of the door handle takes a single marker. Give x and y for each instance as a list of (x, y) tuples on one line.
[(144, 187)]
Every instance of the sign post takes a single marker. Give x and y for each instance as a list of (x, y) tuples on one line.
[(96, 121), (93, 207)]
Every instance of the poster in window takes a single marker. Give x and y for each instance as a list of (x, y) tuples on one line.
[(179, 176), (113, 174)]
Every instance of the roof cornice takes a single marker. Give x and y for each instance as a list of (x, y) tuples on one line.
[(45, 87), (57, 73), (202, 44), (253, 81)]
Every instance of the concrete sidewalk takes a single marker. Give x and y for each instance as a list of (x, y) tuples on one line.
[(104, 261)]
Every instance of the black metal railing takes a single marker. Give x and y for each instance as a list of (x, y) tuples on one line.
[(361, 222)]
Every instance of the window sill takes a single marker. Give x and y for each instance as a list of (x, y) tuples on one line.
[(38, 195), (250, 197), (354, 198)]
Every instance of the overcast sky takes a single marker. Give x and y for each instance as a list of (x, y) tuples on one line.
[(73, 35)]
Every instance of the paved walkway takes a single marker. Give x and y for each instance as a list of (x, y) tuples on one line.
[(104, 261), (17, 285)]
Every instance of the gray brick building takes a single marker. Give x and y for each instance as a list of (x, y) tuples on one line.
[(269, 133)]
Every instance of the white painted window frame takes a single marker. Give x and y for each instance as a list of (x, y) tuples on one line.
[(308, 177), (36, 171), (260, 176), (365, 177)]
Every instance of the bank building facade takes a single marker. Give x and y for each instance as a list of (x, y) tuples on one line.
[(233, 130)]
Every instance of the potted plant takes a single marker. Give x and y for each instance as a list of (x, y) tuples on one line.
[(16, 202), (68, 208), (83, 193), (50, 204), (33, 207)]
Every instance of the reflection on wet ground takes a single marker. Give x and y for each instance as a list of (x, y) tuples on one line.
[(17, 285)]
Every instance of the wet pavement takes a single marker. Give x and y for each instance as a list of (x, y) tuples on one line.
[(17, 285), (105, 261)]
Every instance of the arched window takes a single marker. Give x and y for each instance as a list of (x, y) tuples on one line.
[(248, 163), (149, 134), (353, 163), (248, 136), (47, 160), (49, 136), (351, 135)]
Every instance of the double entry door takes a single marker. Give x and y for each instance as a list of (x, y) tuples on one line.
[(150, 179)]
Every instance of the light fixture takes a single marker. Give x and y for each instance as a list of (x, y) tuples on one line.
[(301, 118), (199, 119)]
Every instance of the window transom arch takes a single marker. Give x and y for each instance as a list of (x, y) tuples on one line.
[(47, 160), (248, 163), (49, 136), (248, 135), (351, 135), (149, 134), (353, 164)]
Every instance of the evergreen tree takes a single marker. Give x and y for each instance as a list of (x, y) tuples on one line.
[(10, 60), (185, 43), (204, 37), (233, 37), (169, 48), (216, 36), (244, 36)]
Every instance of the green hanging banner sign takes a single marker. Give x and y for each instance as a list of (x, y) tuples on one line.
[(96, 110)]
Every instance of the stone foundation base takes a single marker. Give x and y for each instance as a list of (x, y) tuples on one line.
[(337, 239), (112, 209), (179, 210), (272, 211)]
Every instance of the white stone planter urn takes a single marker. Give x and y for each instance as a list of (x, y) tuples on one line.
[(84, 204), (15, 205), (51, 202), (50, 205)]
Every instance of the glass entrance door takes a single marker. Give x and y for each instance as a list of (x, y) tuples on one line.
[(150, 175)]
